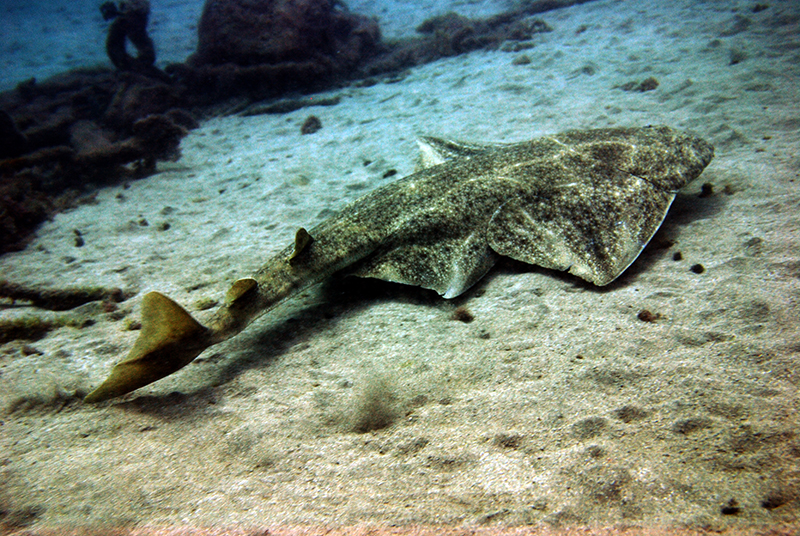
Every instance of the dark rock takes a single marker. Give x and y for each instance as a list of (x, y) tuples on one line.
[(697, 268), (182, 118), (253, 32), (648, 84), (731, 508), (12, 141), (80, 128), (137, 98), (645, 315), (159, 137), (462, 314), (311, 125), (208, 85), (263, 47)]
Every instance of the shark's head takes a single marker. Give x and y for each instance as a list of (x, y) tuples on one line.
[(666, 157)]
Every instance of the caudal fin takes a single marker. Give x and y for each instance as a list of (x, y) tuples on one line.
[(170, 339)]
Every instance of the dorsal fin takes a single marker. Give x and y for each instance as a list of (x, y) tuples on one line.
[(239, 289), (435, 151), (301, 241)]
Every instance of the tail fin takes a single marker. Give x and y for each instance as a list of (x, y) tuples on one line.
[(170, 339)]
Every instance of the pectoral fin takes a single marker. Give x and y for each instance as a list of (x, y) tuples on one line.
[(449, 267), (170, 339), (593, 230)]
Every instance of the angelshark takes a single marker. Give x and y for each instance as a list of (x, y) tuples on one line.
[(584, 201)]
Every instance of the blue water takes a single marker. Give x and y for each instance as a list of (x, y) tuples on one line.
[(41, 38)]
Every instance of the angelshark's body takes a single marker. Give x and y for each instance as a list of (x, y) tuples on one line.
[(583, 201)]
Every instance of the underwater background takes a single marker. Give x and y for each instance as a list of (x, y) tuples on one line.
[(534, 403)]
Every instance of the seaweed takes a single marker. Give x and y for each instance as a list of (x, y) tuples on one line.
[(289, 105), (63, 302), (60, 299), (374, 406), (34, 327)]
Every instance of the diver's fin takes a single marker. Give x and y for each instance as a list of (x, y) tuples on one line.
[(170, 339)]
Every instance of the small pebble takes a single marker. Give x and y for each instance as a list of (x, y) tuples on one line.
[(311, 125), (647, 316), (462, 314)]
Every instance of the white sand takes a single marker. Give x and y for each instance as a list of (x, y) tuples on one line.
[(556, 406)]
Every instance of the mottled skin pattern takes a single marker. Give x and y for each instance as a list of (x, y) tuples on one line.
[(584, 201)]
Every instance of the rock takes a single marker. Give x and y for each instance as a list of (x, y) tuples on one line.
[(261, 48), (253, 32)]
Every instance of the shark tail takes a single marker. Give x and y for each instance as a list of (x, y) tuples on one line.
[(170, 339)]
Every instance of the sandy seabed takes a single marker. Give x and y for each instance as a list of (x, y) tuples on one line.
[(557, 410)]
